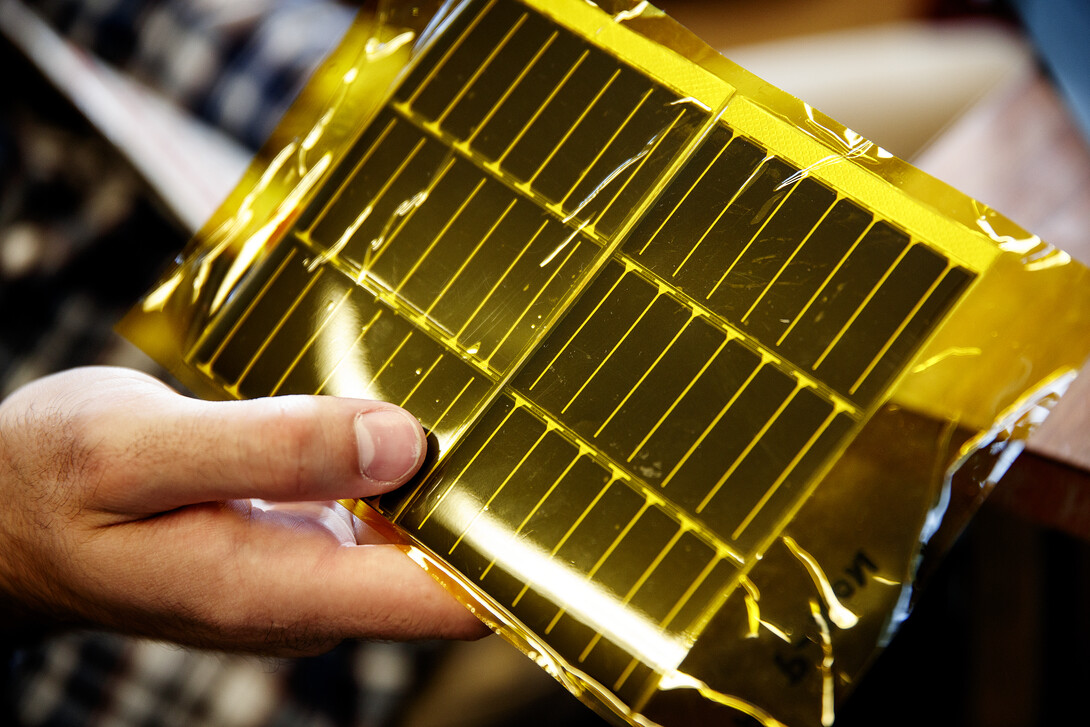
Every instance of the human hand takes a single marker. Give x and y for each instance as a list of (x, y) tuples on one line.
[(129, 506)]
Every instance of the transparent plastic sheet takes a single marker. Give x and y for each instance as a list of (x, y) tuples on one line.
[(710, 380)]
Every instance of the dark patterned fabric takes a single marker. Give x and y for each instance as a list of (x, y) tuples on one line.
[(80, 241), (237, 65)]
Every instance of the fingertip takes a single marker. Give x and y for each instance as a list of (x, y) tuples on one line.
[(390, 445), (469, 628)]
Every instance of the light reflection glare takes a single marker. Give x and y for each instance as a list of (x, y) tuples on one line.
[(584, 600), (350, 370)]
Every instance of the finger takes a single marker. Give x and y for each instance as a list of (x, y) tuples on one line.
[(236, 582), (363, 591), (155, 450)]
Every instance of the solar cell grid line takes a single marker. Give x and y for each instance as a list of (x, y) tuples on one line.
[(566, 252), (896, 334), (673, 405), (606, 359), (499, 488), (715, 147), (777, 205), (558, 55), (525, 298), (807, 270), (644, 376), (765, 485), (726, 240), (403, 372), (322, 387), (949, 291), (315, 305), (319, 332), (638, 86), (598, 495), (778, 237), (646, 166), (571, 628), (519, 286), (460, 36), (427, 215), (510, 88), (834, 340), (917, 277), (438, 238), (360, 346), (454, 480), (453, 403), (725, 442), (490, 95), (469, 85), (371, 199), (787, 470), (312, 217), (623, 128), (579, 120), (816, 296), (727, 406), (419, 516), (484, 239), (749, 448), (249, 359), (688, 607), (675, 591), (410, 208), (844, 293), (786, 262), (551, 125), (452, 398), (390, 358), (536, 508), (711, 179), (686, 620), (568, 481), (634, 556), (210, 347), (584, 320), (575, 193), (452, 390), (631, 592), (404, 403), (499, 280), (774, 469), (727, 210), (593, 570)]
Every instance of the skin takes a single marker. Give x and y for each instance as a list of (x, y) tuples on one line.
[(130, 507)]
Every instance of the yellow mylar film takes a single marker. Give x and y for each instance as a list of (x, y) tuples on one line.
[(708, 377)]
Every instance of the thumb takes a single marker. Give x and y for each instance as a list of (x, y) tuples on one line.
[(154, 450)]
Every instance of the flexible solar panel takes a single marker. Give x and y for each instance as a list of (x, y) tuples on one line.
[(642, 319)]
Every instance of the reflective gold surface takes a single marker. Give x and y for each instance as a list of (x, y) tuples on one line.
[(699, 364)]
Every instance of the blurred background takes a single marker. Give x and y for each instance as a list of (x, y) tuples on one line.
[(124, 122)]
